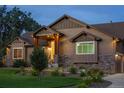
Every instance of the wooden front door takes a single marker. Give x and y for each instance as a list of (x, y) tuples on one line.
[(122, 65)]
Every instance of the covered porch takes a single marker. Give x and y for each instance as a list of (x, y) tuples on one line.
[(48, 39)]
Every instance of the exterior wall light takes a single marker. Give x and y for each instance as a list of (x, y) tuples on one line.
[(49, 48), (116, 55)]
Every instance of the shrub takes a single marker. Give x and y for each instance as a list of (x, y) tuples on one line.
[(19, 63), (97, 78), (73, 70), (63, 74), (94, 71), (34, 72), (60, 63), (22, 70), (39, 60), (1, 64), (96, 74), (83, 73), (82, 67), (55, 73)]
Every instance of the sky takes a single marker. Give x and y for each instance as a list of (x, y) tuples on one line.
[(45, 15)]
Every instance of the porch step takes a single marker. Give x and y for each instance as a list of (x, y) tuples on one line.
[(52, 65)]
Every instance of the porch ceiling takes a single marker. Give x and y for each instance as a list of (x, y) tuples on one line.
[(47, 37)]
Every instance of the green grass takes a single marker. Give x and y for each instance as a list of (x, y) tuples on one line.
[(8, 79)]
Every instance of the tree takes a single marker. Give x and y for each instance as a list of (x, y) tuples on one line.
[(39, 60), (13, 22)]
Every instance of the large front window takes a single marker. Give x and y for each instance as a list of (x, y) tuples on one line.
[(18, 53), (87, 47)]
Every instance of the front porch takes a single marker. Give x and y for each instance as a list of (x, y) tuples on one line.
[(48, 39)]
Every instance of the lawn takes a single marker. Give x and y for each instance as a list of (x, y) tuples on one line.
[(8, 79)]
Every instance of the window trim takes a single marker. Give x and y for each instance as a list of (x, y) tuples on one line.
[(85, 53), (17, 48)]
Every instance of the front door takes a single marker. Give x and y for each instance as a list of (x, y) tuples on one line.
[(50, 51), (122, 65)]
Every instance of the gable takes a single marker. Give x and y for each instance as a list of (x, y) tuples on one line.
[(18, 41), (66, 23), (45, 31), (83, 36)]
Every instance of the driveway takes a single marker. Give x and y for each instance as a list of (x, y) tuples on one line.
[(116, 79)]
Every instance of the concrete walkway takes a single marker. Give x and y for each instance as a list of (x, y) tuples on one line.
[(116, 79)]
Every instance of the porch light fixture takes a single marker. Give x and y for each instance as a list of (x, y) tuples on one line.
[(49, 48), (116, 55)]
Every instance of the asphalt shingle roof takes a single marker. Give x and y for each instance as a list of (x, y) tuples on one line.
[(113, 29)]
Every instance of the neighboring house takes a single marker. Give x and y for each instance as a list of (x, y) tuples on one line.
[(20, 48), (72, 42)]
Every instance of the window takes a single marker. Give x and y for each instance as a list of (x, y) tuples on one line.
[(87, 47), (18, 53)]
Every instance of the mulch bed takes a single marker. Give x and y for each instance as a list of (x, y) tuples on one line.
[(103, 84)]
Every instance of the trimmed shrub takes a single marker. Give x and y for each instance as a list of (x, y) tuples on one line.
[(55, 73), (73, 70), (19, 63)]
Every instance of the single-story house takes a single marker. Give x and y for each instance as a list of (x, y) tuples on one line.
[(20, 48), (73, 42)]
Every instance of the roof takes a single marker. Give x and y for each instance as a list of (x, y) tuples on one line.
[(86, 33), (70, 33), (112, 29), (65, 17), (48, 31), (27, 37), (115, 29)]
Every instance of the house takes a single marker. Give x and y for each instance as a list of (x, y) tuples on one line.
[(72, 42), (20, 48), (81, 44)]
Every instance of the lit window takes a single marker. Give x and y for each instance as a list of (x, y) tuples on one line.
[(18, 53), (87, 47)]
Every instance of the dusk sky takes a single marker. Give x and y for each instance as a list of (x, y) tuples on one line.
[(90, 14)]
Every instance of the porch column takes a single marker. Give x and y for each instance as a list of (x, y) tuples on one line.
[(56, 47), (36, 41)]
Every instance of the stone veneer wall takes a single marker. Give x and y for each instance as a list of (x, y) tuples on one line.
[(105, 63)]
